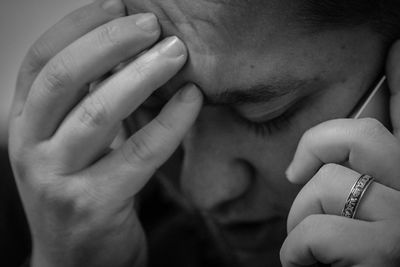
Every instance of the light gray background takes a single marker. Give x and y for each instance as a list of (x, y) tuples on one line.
[(21, 23)]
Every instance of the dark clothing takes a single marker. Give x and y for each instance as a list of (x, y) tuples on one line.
[(176, 236), (14, 233)]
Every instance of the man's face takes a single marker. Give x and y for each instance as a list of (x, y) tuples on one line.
[(267, 79)]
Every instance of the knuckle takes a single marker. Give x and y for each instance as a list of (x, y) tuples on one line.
[(372, 128), (37, 56), (319, 229), (303, 228), (15, 148), (137, 150), (79, 18), (164, 125), (50, 193), (314, 224), (32, 165), (15, 154), (322, 183), (20, 155), (19, 165), (110, 34), (58, 73), (66, 199), (309, 134), (141, 69), (322, 177), (310, 222), (93, 112), (308, 137)]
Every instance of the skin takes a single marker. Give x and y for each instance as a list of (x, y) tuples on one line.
[(248, 179), (80, 209)]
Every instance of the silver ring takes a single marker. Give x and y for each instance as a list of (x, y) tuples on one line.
[(356, 193)]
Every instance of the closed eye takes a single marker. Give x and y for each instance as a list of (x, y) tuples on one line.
[(281, 122)]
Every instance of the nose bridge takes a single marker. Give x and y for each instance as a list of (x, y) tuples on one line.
[(214, 171), (213, 135)]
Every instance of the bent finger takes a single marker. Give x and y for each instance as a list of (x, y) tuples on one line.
[(63, 81), (364, 144), (63, 33), (142, 154), (92, 121), (327, 193), (328, 239)]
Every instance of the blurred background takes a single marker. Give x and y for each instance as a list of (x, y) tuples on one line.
[(21, 23)]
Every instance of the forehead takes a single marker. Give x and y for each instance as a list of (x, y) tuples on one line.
[(217, 22), (234, 43)]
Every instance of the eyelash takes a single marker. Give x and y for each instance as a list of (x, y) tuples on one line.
[(269, 127)]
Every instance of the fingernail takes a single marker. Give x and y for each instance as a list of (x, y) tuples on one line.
[(147, 22), (190, 93), (114, 7), (172, 47)]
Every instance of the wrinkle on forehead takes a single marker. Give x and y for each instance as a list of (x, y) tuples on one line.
[(224, 37), (185, 19), (218, 26)]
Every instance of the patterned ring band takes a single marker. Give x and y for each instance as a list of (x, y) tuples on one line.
[(356, 193)]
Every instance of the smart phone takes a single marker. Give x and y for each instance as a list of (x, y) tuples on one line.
[(375, 104)]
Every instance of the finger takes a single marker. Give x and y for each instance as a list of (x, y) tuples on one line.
[(92, 121), (60, 84), (140, 156), (329, 239), (393, 75), (57, 38), (364, 144), (327, 192)]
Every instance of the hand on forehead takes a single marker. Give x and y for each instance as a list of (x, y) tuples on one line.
[(239, 44), (230, 20), (219, 34)]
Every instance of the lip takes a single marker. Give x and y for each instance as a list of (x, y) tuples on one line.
[(254, 236)]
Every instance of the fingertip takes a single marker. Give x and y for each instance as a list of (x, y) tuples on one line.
[(113, 7), (190, 93), (292, 174), (148, 22)]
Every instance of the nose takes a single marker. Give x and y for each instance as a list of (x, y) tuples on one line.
[(214, 170)]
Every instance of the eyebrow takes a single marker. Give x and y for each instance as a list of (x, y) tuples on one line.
[(259, 93)]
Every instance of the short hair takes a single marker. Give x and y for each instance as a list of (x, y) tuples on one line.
[(383, 16)]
